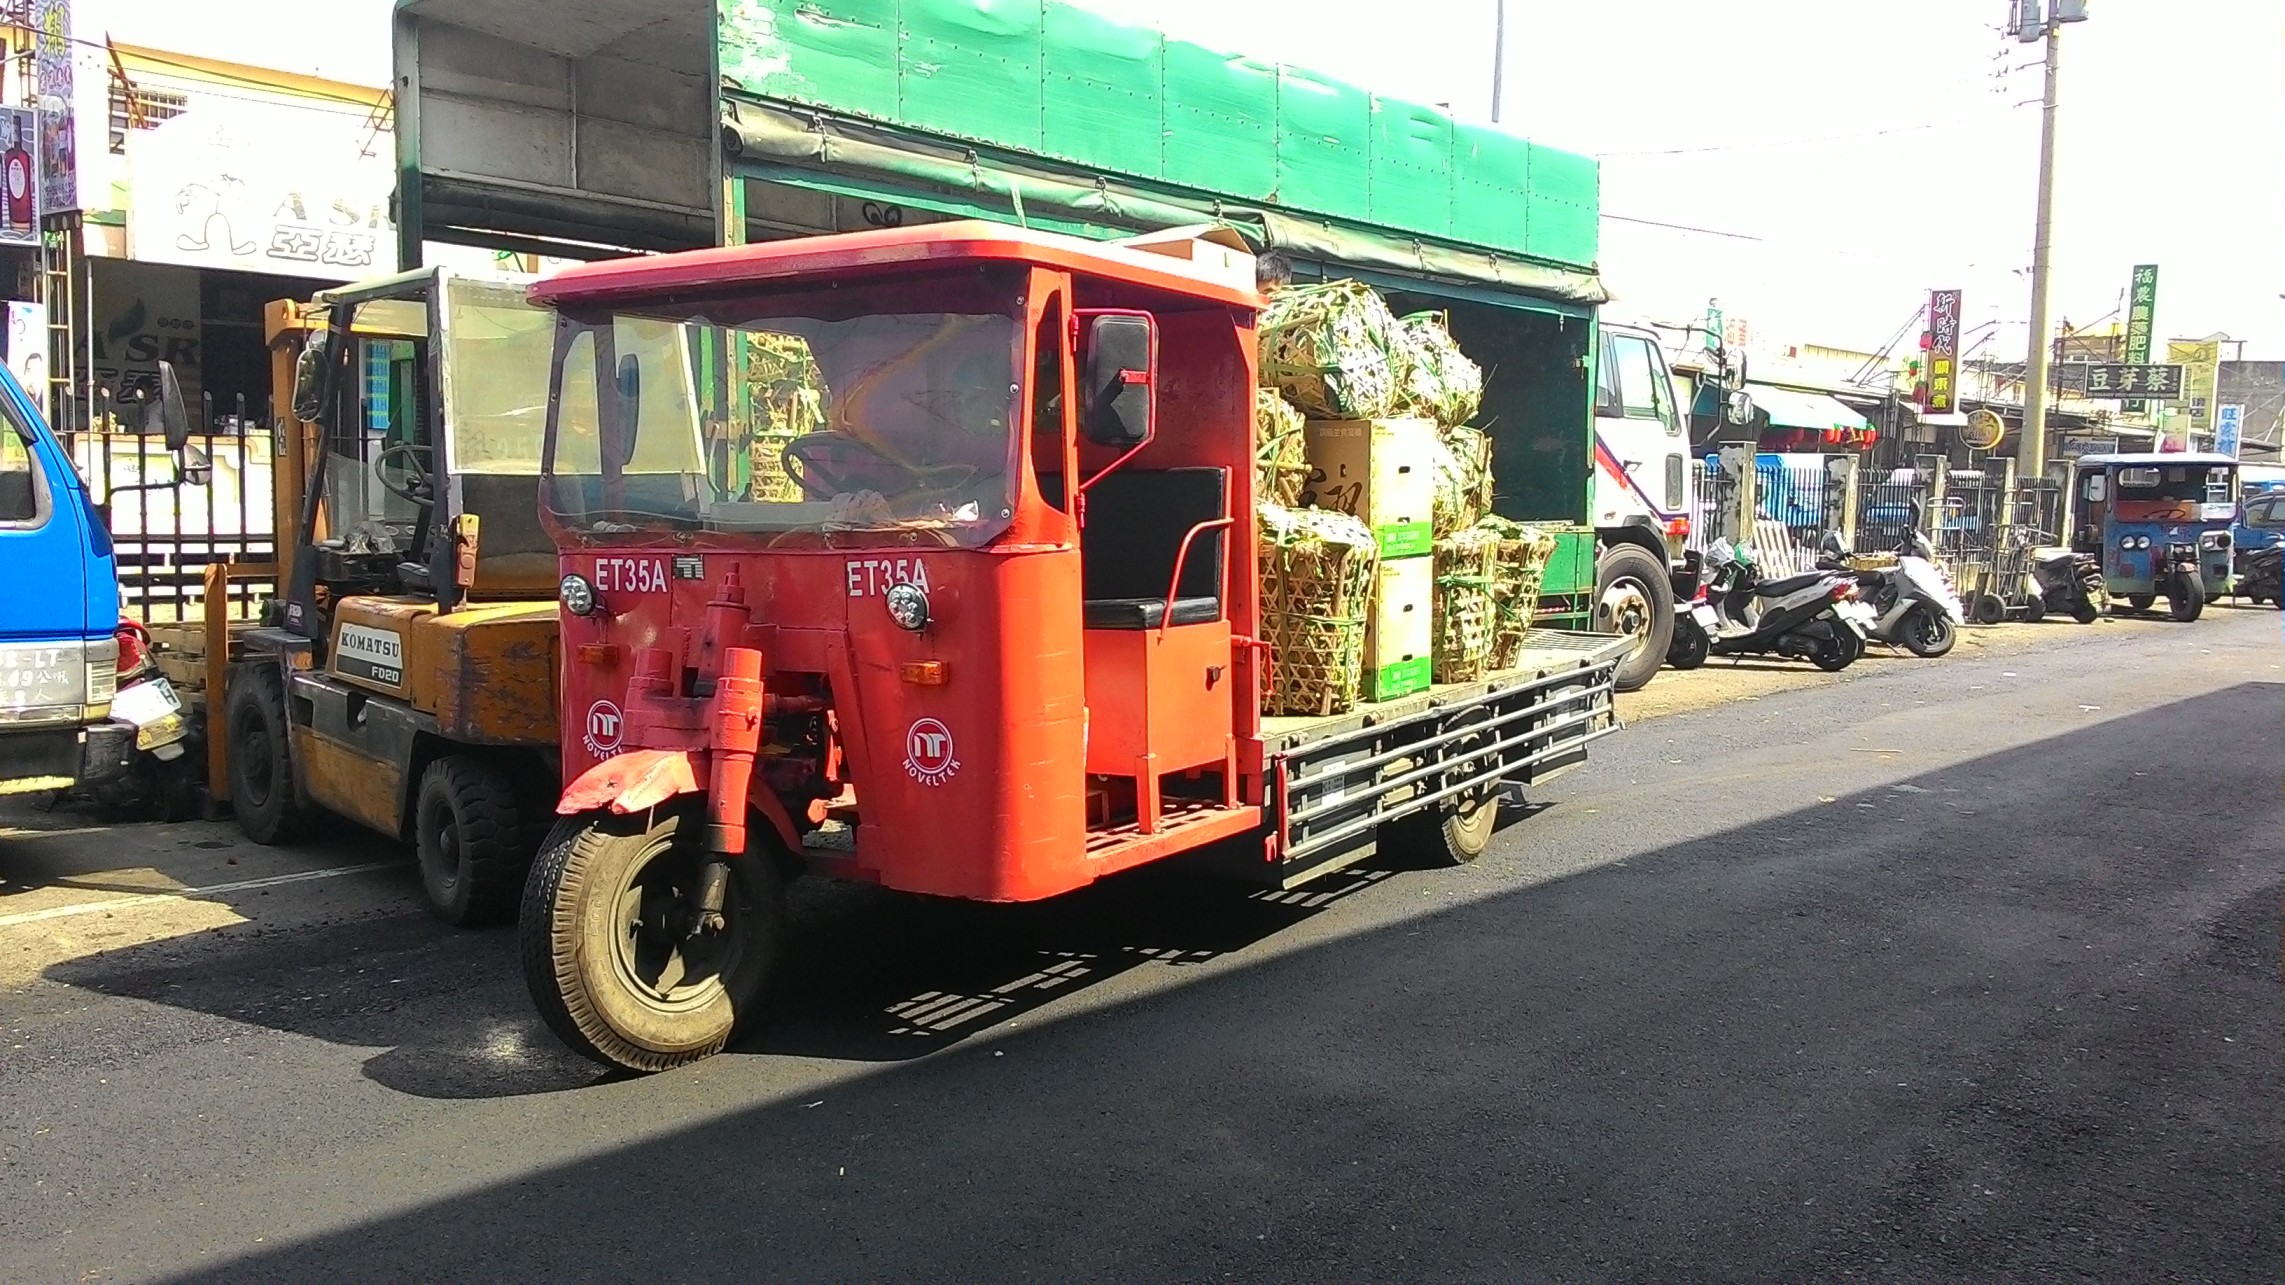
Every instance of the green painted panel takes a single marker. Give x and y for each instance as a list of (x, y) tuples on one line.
[(971, 70), (838, 53), (1411, 167), (1324, 143), (1491, 185), (1221, 122), (1560, 217), (1100, 95), (1571, 569)]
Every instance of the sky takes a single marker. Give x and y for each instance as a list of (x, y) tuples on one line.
[(1832, 161)]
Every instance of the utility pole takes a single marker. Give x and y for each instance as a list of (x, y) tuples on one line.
[(1499, 54), (2031, 449)]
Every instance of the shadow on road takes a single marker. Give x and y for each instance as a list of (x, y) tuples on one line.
[(1902, 1035)]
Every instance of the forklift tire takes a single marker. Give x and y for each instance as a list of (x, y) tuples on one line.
[(605, 946), (1633, 596), (263, 793), (469, 832)]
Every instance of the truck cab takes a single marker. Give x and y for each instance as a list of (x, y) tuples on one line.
[(1642, 496), (59, 620)]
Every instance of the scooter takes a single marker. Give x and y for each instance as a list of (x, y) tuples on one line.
[(2261, 575), (1912, 604), (1737, 613), (161, 777), (2069, 582)]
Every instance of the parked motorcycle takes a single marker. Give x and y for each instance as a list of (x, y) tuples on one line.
[(2261, 575), (1912, 604), (1738, 613), (162, 776), (2068, 582)]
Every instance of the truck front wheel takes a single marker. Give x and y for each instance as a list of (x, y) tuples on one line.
[(1633, 599), (610, 948)]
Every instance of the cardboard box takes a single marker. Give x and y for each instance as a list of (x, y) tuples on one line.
[(1217, 251), (1399, 634), (1378, 470)]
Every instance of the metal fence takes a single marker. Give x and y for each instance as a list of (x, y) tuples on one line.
[(165, 532)]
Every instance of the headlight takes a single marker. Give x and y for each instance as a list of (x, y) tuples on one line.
[(2142, 542), (908, 606), (578, 595), (2126, 542)]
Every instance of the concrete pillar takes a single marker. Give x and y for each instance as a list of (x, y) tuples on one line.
[(1841, 472)]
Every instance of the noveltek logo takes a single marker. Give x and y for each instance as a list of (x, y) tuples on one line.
[(605, 724), (928, 753)]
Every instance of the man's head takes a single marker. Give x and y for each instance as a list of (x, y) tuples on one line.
[(1272, 272)]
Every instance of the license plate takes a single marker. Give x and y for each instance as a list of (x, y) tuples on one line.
[(1851, 620), (1705, 617), (146, 702)]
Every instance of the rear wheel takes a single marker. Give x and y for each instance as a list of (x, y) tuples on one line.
[(1990, 609), (1928, 633), (1454, 830), (469, 829), (608, 950), (1633, 598), (1841, 651), (2084, 611), (262, 790), (2187, 601), (1691, 645), (2034, 609), (2140, 601)]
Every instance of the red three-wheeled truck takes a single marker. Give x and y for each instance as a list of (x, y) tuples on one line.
[(925, 557)]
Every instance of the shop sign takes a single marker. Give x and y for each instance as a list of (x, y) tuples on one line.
[(2229, 427), (2126, 379), (19, 176), (257, 191), (1943, 351), (56, 72), (2141, 308), (28, 350)]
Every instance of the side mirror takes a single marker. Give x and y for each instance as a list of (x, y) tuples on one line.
[(194, 467), (309, 380), (1118, 405), (173, 417), (630, 381)]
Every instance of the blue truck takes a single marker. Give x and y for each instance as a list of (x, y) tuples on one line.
[(59, 605)]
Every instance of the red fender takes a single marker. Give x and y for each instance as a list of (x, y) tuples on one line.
[(639, 780)]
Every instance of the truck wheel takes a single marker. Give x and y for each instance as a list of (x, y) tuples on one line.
[(606, 947), (1455, 830), (2188, 600), (262, 791), (468, 829), (1633, 599)]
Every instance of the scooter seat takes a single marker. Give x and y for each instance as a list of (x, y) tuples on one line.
[(2051, 553), (1787, 585)]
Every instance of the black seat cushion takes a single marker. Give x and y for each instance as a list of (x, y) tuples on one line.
[(1787, 585), (1149, 613), (1136, 519)]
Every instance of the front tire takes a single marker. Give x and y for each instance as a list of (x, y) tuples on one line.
[(2188, 599), (604, 946), (263, 793), (469, 831), (1928, 633), (2084, 611), (1691, 646), (1633, 598)]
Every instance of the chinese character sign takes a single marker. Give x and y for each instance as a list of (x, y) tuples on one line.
[(2201, 363), (54, 84), (2117, 379), (1943, 351), (2141, 308), (2229, 427), (19, 176), (225, 190)]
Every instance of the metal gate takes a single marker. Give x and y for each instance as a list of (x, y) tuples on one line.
[(165, 534)]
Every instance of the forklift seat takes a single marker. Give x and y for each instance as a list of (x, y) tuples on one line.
[(1136, 521)]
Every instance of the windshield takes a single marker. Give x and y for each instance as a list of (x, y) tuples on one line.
[(376, 436), (2192, 482), (496, 351), (875, 408)]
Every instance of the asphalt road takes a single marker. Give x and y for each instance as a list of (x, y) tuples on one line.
[(1952, 970)]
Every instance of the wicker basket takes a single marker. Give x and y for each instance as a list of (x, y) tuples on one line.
[(1281, 450), (1316, 589), (1435, 380), (787, 396), (1462, 471), (1521, 569), (1326, 348), (1467, 604)]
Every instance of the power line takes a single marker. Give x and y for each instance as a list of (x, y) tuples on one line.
[(1793, 142)]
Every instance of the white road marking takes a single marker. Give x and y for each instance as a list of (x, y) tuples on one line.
[(184, 894)]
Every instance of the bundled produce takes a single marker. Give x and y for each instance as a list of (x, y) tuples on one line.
[(1317, 571), (1467, 604), (1435, 380), (1281, 449), (1520, 569), (1461, 467), (1327, 348), (786, 399)]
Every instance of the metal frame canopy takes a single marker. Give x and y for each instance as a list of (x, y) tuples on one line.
[(571, 127)]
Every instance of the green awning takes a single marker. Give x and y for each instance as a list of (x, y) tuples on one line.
[(1816, 412)]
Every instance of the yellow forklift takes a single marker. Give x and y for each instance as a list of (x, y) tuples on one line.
[(405, 676)]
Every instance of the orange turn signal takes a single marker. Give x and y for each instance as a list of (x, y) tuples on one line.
[(597, 654), (925, 673)]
